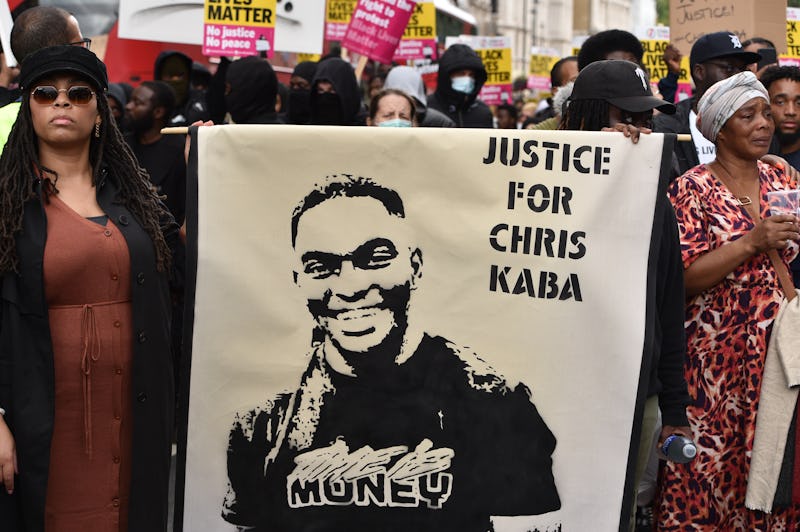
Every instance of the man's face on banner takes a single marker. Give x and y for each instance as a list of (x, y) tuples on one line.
[(356, 269)]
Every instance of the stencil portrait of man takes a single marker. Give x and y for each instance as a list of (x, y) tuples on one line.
[(390, 427)]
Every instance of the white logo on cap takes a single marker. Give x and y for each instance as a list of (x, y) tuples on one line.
[(735, 41), (639, 72)]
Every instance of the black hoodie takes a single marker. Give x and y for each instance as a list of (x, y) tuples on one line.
[(253, 87), (190, 104), (466, 110), (340, 74)]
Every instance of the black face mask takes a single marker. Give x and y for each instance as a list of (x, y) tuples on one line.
[(326, 110), (299, 107)]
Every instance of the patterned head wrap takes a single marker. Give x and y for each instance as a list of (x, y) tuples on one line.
[(723, 99)]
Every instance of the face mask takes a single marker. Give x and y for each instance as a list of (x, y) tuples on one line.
[(326, 110), (299, 106), (395, 122), (465, 84)]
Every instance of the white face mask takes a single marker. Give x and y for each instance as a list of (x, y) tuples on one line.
[(465, 84), (395, 122)]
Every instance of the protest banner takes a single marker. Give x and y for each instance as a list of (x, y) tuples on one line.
[(792, 55), (298, 26), (376, 27), (419, 37), (542, 61), (5, 34), (328, 298), (655, 40), (691, 19), (495, 52), (234, 30), (337, 17)]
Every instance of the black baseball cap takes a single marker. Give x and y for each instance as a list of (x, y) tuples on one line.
[(64, 58), (720, 44), (620, 83)]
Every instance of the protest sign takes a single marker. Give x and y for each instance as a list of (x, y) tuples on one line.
[(337, 18), (792, 55), (691, 19), (419, 37), (655, 40), (298, 26), (495, 52), (239, 30), (5, 34), (376, 27), (332, 295), (542, 61)]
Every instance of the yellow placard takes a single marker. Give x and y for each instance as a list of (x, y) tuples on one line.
[(308, 57), (340, 11), (541, 65), (258, 13), (653, 60), (422, 24), (497, 62)]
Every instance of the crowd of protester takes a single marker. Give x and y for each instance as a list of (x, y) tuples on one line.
[(721, 276)]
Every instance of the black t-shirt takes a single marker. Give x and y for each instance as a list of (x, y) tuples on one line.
[(164, 161), (440, 444)]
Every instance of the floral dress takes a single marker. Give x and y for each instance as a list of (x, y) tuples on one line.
[(727, 330)]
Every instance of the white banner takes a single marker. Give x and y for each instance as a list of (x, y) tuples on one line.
[(299, 25), (405, 330)]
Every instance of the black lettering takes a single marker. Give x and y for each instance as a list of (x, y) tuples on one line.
[(528, 149), (498, 276), (541, 206), (489, 159), (368, 490), (504, 152), (493, 237), (304, 494), (338, 492), (580, 248), (437, 492)]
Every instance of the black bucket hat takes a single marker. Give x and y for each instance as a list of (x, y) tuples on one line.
[(620, 83), (65, 58)]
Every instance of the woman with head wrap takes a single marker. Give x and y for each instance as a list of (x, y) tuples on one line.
[(733, 294)]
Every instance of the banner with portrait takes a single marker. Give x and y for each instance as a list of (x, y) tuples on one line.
[(410, 330)]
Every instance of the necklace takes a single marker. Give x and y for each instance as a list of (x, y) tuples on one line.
[(742, 199)]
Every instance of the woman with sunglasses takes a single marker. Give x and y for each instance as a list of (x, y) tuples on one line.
[(86, 382)]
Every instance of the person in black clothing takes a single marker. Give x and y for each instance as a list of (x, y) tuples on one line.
[(615, 95), (175, 69), (610, 44), (299, 100), (390, 428), (250, 91), (335, 99), (162, 156), (461, 76), (714, 57)]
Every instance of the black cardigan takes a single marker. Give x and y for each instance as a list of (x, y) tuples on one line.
[(27, 374)]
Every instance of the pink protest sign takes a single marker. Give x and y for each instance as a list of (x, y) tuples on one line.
[(337, 17), (376, 28), (239, 30)]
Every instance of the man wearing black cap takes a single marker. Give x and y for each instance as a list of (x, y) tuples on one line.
[(714, 57), (616, 95)]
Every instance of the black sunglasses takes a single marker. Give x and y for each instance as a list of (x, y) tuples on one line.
[(47, 94)]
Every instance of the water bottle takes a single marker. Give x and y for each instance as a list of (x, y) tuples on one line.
[(679, 449)]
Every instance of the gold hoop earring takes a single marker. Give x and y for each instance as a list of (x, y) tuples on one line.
[(97, 130)]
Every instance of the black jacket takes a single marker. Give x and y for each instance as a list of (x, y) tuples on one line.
[(27, 373), (466, 110), (686, 152), (190, 105)]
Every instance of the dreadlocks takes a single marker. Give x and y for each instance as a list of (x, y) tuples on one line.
[(19, 165), (585, 115)]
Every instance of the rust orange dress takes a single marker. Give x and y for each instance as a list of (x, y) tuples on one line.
[(88, 290)]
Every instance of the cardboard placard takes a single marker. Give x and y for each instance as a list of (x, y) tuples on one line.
[(376, 27), (419, 37), (337, 17), (792, 55), (539, 67), (233, 30), (691, 19), (654, 40)]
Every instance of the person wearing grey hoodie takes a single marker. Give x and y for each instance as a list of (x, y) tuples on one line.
[(408, 80)]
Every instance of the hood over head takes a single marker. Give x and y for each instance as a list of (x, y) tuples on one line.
[(459, 57), (408, 80), (181, 87), (253, 87), (340, 74)]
